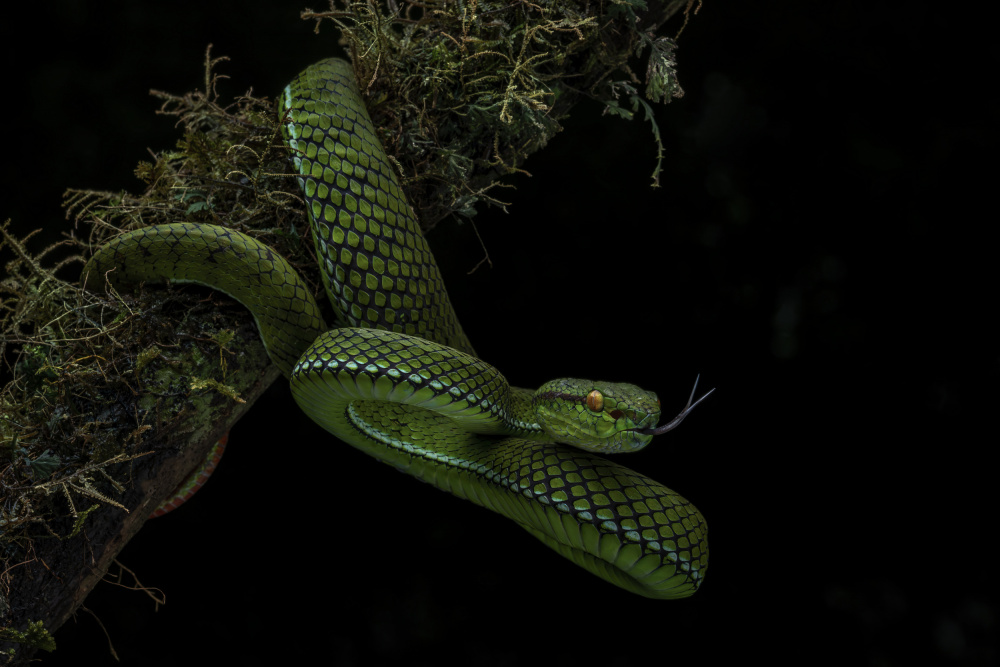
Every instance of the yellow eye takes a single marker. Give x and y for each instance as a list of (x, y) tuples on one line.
[(595, 401)]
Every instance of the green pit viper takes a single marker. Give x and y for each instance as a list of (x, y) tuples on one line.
[(399, 379)]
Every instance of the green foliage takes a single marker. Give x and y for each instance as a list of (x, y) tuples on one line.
[(615, 109), (35, 636), (43, 466), (34, 367), (81, 518), (145, 356), (196, 201)]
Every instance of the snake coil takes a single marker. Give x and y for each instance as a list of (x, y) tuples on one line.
[(398, 378)]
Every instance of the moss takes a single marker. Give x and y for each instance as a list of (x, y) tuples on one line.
[(465, 92), (93, 376), (34, 636)]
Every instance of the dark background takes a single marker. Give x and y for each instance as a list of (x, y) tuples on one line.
[(820, 252)]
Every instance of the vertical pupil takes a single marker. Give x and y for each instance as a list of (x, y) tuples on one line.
[(595, 401)]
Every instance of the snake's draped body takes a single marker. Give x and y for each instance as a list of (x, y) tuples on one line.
[(398, 379)]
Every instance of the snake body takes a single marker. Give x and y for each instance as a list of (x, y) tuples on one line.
[(398, 378)]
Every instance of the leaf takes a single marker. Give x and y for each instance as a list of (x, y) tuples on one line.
[(46, 464)]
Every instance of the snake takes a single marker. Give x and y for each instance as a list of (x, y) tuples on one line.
[(398, 378)]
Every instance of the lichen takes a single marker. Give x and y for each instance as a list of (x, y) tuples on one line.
[(464, 92)]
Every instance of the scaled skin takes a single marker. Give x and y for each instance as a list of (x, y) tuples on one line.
[(399, 381)]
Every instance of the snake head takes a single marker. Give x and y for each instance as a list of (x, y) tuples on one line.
[(603, 417)]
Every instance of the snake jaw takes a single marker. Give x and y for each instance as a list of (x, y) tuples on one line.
[(675, 422)]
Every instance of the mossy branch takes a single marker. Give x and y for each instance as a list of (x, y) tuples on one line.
[(464, 93), (111, 399)]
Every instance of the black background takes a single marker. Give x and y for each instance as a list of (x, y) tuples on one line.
[(820, 252)]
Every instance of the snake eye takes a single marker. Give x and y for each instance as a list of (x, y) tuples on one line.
[(595, 401)]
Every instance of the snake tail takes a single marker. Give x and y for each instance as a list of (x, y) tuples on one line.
[(194, 481), (286, 313)]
